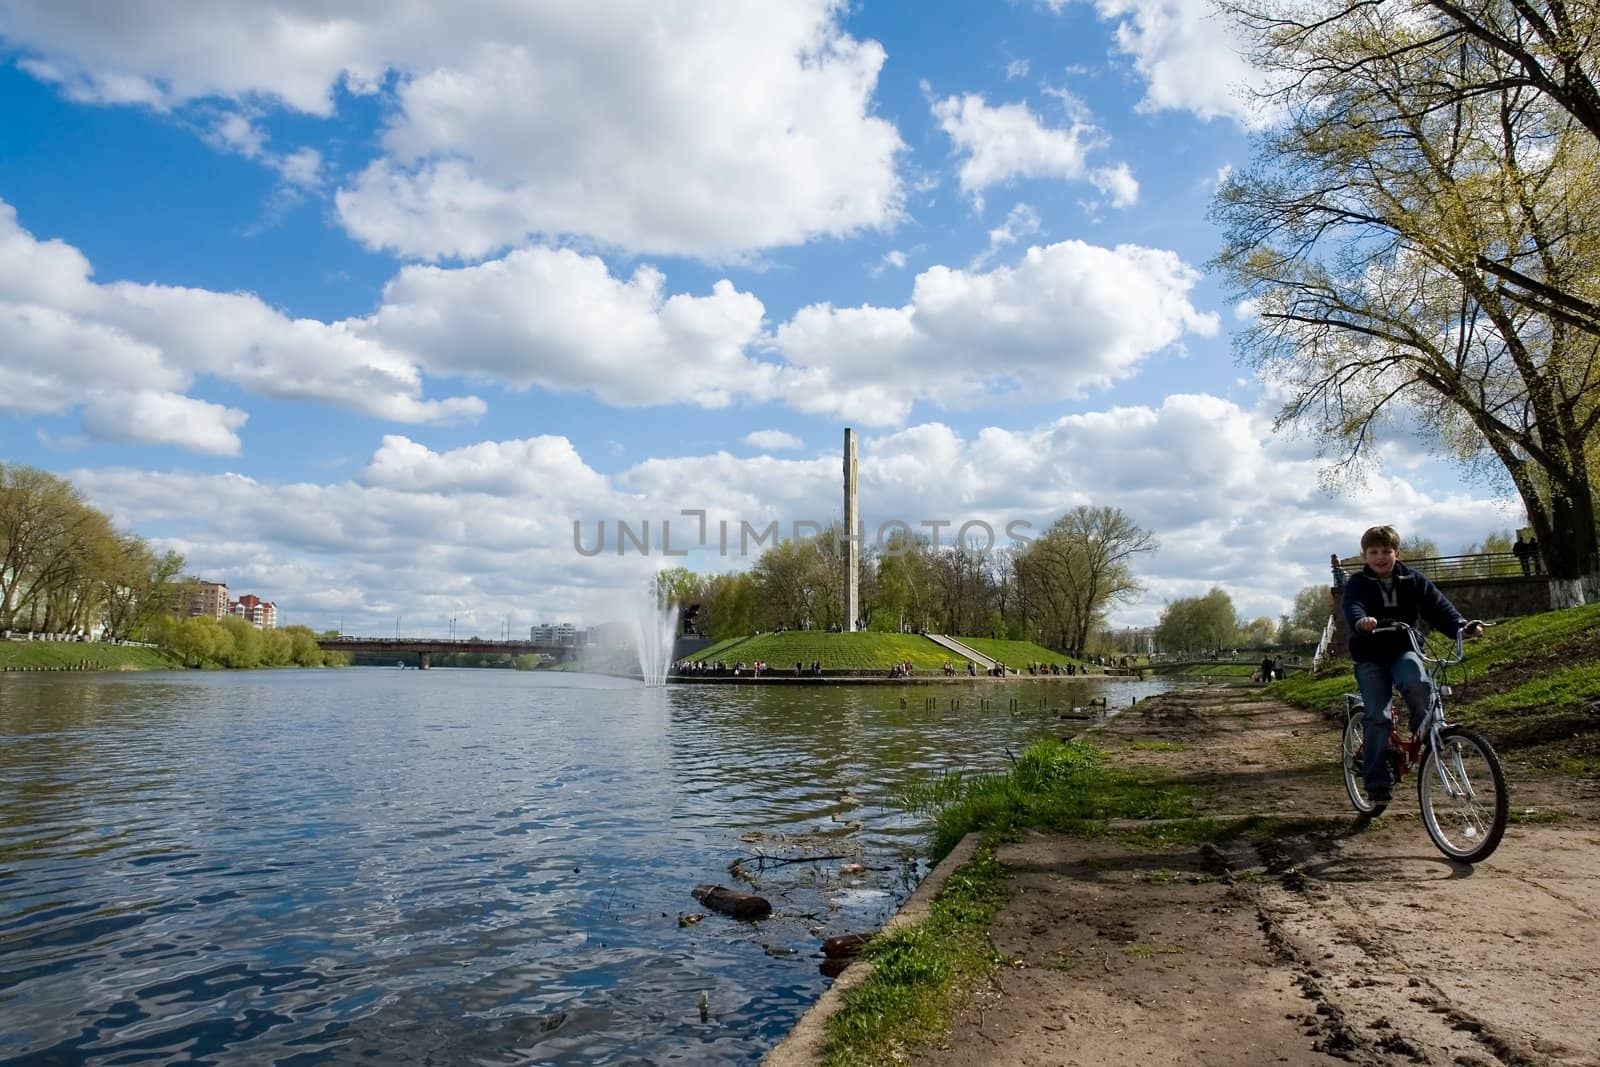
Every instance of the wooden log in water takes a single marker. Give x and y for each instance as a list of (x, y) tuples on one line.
[(732, 902)]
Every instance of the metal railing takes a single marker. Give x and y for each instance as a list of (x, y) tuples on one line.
[(1456, 568)]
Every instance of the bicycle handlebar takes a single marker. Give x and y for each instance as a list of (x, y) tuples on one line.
[(1396, 626)]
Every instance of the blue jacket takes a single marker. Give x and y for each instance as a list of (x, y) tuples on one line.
[(1412, 597)]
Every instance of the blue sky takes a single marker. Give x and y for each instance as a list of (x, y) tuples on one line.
[(362, 313)]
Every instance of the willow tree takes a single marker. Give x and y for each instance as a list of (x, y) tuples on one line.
[(1357, 235)]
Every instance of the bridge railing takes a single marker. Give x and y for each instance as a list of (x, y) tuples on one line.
[(1454, 568)]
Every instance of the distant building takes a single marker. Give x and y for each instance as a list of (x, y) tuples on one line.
[(209, 599), (262, 614), (555, 633)]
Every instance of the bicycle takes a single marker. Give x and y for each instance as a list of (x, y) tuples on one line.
[(1460, 784)]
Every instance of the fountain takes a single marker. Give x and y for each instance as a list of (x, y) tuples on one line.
[(655, 631)]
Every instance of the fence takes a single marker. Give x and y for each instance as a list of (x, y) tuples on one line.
[(1458, 568)]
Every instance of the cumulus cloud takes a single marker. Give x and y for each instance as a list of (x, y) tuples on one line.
[(1004, 143), (127, 353), (700, 127), (559, 320), (1069, 316), (164, 419), (485, 531), (772, 439), (1188, 56)]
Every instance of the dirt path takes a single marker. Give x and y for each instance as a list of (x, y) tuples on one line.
[(1338, 942)]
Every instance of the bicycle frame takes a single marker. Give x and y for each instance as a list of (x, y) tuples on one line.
[(1410, 752)]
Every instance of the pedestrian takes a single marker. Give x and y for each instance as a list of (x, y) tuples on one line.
[(1533, 555), (1520, 550)]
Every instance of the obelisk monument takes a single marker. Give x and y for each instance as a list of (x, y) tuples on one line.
[(852, 557)]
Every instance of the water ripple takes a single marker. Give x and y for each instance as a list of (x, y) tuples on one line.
[(485, 867)]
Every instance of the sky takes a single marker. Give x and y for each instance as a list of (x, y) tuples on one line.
[(380, 315)]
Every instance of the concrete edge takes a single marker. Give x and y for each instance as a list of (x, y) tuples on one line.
[(803, 1045)]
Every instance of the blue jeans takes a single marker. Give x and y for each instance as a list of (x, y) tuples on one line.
[(1376, 682)]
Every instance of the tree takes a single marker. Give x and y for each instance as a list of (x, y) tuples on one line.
[(1357, 234), (1198, 624), (1543, 46), (1082, 564)]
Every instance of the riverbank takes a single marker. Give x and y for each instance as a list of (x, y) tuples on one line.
[(1217, 904), (82, 655)]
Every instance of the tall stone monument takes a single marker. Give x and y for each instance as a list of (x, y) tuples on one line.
[(852, 558)]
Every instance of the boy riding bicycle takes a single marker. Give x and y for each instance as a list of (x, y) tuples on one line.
[(1386, 591)]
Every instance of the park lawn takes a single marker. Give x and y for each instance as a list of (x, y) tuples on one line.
[(47, 654), (1017, 653), (836, 651), (1215, 670)]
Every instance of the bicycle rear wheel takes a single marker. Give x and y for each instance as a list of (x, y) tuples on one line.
[(1350, 760), (1462, 791)]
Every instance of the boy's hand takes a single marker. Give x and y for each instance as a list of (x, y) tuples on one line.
[(1472, 629), (1367, 624)]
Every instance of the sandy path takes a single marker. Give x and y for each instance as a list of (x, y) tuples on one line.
[(1352, 943)]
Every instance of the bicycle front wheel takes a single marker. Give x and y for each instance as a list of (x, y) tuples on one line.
[(1462, 791), (1350, 760)]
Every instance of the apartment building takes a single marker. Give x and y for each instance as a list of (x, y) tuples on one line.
[(262, 614), (207, 598)]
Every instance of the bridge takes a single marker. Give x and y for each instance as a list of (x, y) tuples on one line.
[(425, 647)]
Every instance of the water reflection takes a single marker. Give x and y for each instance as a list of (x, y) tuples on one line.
[(448, 866)]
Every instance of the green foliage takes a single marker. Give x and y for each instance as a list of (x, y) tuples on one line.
[(1198, 624), (205, 642)]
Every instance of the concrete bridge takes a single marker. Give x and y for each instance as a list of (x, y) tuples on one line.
[(425, 647)]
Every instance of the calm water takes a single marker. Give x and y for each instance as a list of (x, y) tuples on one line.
[(448, 866)]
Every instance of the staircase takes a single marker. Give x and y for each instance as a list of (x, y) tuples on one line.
[(1322, 646), (984, 662)]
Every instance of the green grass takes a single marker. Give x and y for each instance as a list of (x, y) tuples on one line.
[(1214, 670), (1053, 785), (921, 972), (1016, 653), (870, 651), (18, 654), (857, 651)]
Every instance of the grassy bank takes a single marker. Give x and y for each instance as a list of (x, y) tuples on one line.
[(1531, 685), (55, 655), (921, 973), (867, 651)]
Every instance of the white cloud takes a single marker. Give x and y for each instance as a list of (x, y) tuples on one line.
[(1118, 183), (772, 439), (1017, 68), (1022, 222), (560, 320), (894, 259), (698, 127), (164, 419), (1069, 316), (1188, 56), (127, 352), (486, 531), (1001, 144)]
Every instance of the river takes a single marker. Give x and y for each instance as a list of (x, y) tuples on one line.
[(451, 866)]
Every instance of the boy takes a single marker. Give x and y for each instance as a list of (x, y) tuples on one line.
[(1383, 591)]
